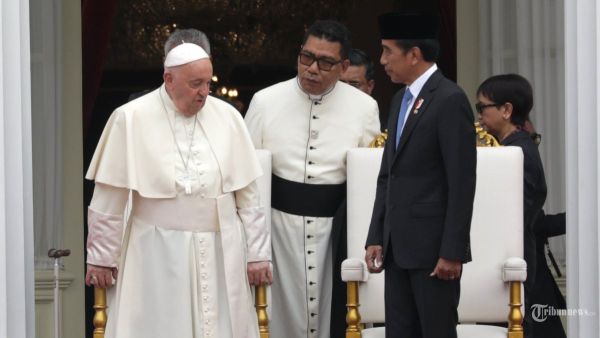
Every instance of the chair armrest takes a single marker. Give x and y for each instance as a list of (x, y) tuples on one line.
[(354, 270), (514, 270)]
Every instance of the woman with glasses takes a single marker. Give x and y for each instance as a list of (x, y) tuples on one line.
[(504, 103)]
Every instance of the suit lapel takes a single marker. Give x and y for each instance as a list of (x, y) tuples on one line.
[(418, 109)]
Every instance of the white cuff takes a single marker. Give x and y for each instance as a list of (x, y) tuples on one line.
[(105, 234), (258, 235)]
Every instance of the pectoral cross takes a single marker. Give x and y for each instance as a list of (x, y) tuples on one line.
[(187, 184)]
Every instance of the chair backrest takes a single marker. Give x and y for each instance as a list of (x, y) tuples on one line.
[(496, 234), (264, 182), (363, 167), (496, 231)]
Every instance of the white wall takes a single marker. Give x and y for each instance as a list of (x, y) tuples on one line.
[(582, 75)]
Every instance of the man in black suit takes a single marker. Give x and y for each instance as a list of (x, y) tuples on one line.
[(421, 219)]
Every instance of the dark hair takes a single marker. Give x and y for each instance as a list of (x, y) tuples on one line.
[(331, 31), (430, 48), (511, 88), (359, 58)]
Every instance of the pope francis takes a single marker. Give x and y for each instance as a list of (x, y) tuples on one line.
[(196, 237)]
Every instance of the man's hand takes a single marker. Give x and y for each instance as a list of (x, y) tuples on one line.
[(259, 273), (374, 258), (100, 276), (447, 269)]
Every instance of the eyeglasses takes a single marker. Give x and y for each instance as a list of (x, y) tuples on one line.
[(324, 63), (479, 107)]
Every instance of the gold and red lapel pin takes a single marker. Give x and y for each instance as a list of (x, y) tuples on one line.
[(418, 105)]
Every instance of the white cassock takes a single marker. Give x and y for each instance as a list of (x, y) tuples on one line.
[(195, 220), (308, 137)]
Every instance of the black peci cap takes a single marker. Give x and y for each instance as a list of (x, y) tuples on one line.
[(399, 26)]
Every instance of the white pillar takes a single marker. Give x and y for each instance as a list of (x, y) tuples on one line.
[(16, 204), (582, 106)]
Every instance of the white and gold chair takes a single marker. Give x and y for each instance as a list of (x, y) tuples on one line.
[(260, 292), (491, 281)]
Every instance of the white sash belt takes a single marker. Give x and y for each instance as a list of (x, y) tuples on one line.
[(187, 213), (191, 213)]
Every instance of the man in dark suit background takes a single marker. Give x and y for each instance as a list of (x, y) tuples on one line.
[(421, 219)]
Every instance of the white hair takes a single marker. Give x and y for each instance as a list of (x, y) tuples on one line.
[(190, 35)]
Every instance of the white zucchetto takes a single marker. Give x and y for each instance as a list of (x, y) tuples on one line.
[(183, 54)]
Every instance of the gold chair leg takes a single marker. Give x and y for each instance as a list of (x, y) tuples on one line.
[(352, 316), (515, 317), (260, 302), (100, 315)]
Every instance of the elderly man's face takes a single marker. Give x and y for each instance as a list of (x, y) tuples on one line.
[(189, 85), (356, 76), (318, 76)]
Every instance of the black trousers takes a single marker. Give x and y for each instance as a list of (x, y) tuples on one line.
[(419, 306)]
